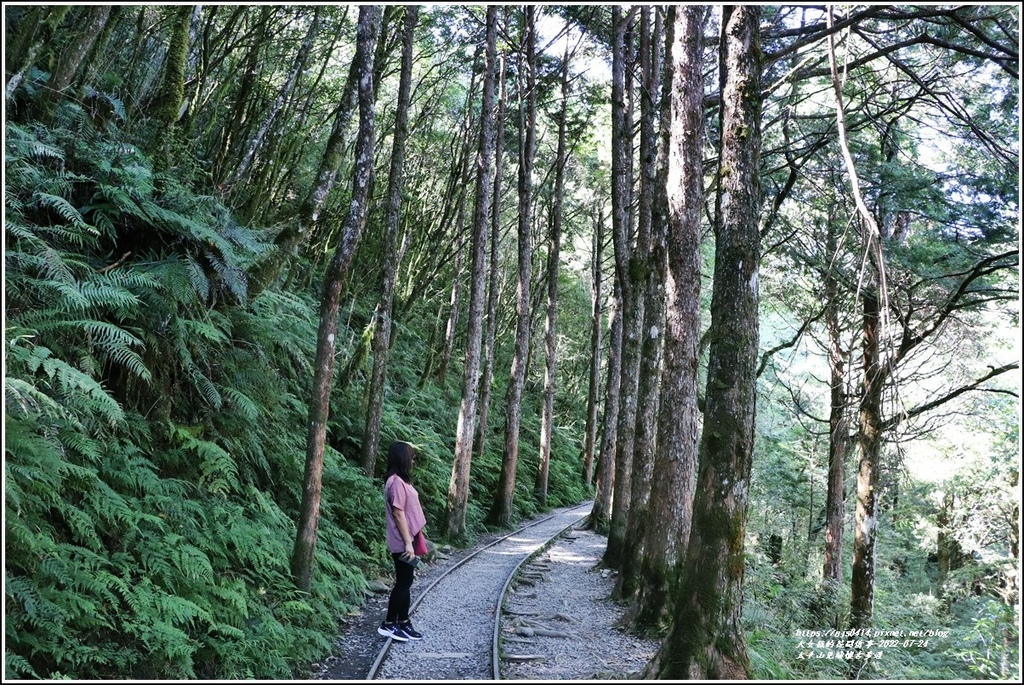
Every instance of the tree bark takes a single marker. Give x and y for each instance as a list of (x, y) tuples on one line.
[(302, 561), (296, 232), (392, 252), (501, 509), (540, 487), (706, 639), (675, 460), (460, 180), (650, 250), (495, 269), (865, 524), (167, 103), (71, 57), (32, 34), (458, 486), (838, 438), (628, 271), (601, 513), (596, 327), (455, 297)]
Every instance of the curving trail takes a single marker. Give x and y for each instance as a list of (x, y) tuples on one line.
[(457, 613)]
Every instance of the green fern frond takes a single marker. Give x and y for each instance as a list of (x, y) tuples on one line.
[(22, 143), (55, 265), (197, 276), (17, 667), (243, 403), (192, 562), (93, 397), (100, 294), (207, 331), (128, 360), (111, 507), (15, 229), (22, 397), (64, 209), (232, 594), (158, 567), (180, 611), (231, 276), (206, 388), (218, 468), (83, 445)]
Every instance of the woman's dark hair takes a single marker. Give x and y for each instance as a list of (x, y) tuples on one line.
[(400, 456)]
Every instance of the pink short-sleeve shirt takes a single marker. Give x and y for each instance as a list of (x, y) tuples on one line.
[(401, 495)]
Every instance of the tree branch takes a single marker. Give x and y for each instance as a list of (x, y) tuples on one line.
[(928, 406)]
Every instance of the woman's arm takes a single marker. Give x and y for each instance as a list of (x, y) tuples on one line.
[(403, 530)]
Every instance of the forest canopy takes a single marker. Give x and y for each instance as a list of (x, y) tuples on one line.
[(746, 276)]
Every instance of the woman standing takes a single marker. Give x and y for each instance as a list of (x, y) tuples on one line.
[(405, 523)]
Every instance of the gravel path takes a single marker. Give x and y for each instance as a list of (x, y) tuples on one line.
[(456, 616), (558, 622)]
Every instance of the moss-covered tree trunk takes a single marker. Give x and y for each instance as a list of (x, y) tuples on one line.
[(90, 26), (305, 542), (458, 486), (501, 508), (28, 36), (166, 105), (459, 181), (392, 252), (675, 460), (706, 638), (650, 249)]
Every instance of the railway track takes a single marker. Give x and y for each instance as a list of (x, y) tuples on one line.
[(459, 613)]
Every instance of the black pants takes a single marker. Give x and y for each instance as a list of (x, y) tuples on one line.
[(398, 603)]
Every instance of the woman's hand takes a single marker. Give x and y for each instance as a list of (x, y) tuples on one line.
[(409, 553)]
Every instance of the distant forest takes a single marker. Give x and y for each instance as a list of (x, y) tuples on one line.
[(746, 276)]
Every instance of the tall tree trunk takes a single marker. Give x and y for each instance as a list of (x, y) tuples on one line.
[(458, 486), (495, 269), (601, 513), (838, 439), (428, 367), (71, 58), (459, 180), (296, 232), (455, 297), (301, 57), (706, 639), (650, 251), (627, 269), (675, 461), (392, 252), (31, 35), (323, 374), (869, 438), (167, 103), (230, 130), (501, 509), (87, 73), (596, 326), (540, 487)]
